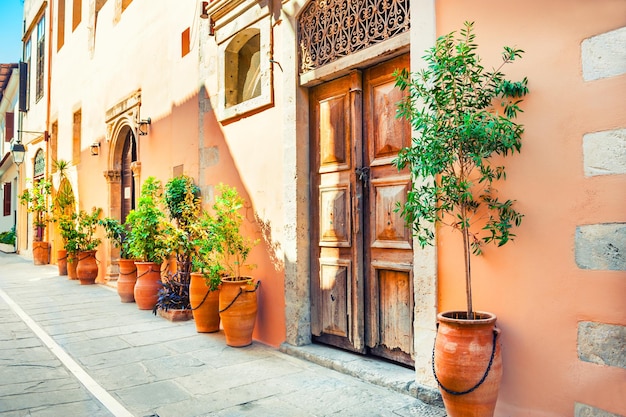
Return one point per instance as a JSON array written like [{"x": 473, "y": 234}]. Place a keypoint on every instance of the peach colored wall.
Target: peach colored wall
[
  {"x": 250, "y": 159},
  {"x": 533, "y": 284}
]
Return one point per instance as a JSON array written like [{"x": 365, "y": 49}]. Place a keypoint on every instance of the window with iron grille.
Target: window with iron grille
[{"x": 41, "y": 43}]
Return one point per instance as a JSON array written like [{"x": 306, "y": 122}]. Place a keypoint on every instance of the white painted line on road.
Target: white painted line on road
[{"x": 100, "y": 393}]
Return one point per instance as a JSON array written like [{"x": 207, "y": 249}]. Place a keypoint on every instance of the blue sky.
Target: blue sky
[{"x": 11, "y": 25}]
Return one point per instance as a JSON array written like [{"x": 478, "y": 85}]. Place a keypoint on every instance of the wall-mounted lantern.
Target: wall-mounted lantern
[
  {"x": 19, "y": 152},
  {"x": 95, "y": 148},
  {"x": 143, "y": 126}
]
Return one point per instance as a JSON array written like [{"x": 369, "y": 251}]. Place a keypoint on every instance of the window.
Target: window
[
  {"x": 27, "y": 52},
  {"x": 125, "y": 4},
  {"x": 60, "y": 24},
  {"x": 76, "y": 138},
  {"x": 9, "y": 126},
  {"x": 7, "y": 199},
  {"x": 245, "y": 68},
  {"x": 185, "y": 42},
  {"x": 41, "y": 41},
  {"x": 77, "y": 12},
  {"x": 243, "y": 71}
]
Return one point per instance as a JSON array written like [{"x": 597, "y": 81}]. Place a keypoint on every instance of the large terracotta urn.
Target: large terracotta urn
[
  {"x": 238, "y": 308},
  {"x": 126, "y": 280},
  {"x": 87, "y": 267},
  {"x": 62, "y": 261},
  {"x": 41, "y": 253},
  {"x": 204, "y": 305},
  {"x": 468, "y": 363},
  {"x": 148, "y": 285}
]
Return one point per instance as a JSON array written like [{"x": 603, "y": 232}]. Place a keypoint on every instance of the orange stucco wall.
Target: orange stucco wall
[{"x": 533, "y": 284}]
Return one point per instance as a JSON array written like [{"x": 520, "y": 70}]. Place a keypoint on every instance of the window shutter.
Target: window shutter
[
  {"x": 9, "y": 127},
  {"x": 7, "y": 198}
]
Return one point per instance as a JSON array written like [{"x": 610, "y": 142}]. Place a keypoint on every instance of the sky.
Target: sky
[{"x": 11, "y": 12}]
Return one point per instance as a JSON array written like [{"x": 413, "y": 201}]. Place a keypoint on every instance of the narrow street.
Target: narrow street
[{"x": 71, "y": 350}]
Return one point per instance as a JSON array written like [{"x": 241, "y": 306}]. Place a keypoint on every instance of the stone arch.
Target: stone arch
[{"x": 121, "y": 129}]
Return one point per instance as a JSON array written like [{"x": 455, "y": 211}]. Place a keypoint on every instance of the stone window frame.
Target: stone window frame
[{"x": 225, "y": 34}]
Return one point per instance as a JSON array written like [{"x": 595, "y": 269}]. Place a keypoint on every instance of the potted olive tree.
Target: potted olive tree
[
  {"x": 117, "y": 233},
  {"x": 36, "y": 201},
  {"x": 146, "y": 243},
  {"x": 463, "y": 117},
  {"x": 237, "y": 295}
]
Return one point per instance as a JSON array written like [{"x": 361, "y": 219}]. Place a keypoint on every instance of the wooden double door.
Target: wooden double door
[{"x": 362, "y": 254}]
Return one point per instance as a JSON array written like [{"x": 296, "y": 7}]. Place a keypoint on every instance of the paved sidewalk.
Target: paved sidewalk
[{"x": 70, "y": 350}]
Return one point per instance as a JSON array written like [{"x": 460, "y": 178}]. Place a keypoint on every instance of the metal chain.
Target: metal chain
[
  {"x": 452, "y": 392},
  {"x": 134, "y": 271},
  {"x": 241, "y": 291},
  {"x": 148, "y": 271},
  {"x": 201, "y": 302}
]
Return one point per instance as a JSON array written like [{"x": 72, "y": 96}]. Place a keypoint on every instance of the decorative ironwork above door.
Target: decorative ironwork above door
[{"x": 331, "y": 29}]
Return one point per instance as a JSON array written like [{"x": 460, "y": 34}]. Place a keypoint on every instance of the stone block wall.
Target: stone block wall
[{"x": 602, "y": 246}]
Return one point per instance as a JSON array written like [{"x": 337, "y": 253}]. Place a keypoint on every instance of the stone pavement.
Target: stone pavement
[{"x": 69, "y": 350}]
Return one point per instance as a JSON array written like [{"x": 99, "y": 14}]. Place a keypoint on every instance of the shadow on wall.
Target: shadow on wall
[{"x": 222, "y": 168}]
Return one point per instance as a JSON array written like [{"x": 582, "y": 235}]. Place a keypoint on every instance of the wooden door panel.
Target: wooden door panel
[
  {"x": 335, "y": 216},
  {"x": 392, "y": 330},
  {"x": 335, "y": 286},
  {"x": 337, "y": 311},
  {"x": 389, "y": 134},
  {"x": 388, "y": 242},
  {"x": 390, "y": 229},
  {"x": 334, "y": 133}
]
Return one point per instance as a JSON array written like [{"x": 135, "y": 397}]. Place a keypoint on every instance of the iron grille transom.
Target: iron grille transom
[{"x": 331, "y": 29}]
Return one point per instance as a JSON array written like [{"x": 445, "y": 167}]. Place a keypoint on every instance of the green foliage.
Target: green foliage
[
  {"x": 36, "y": 201},
  {"x": 463, "y": 116},
  {"x": 230, "y": 248},
  {"x": 63, "y": 201},
  {"x": 182, "y": 199},
  {"x": 8, "y": 237},
  {"x": 116, "y": 233},
  {"x": 206, "y": 259},
  {"x": 68, "y": 229},
  {"x": 86, "y": 229},
  {"x": 146, "y": 225}
]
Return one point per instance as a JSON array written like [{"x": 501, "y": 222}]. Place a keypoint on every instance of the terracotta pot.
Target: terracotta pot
[
  {"x": 41, "y": 253},
  {"x": 126, "y": 280},
  {"x": 62, "y": 261},
  {"x": 87, "y": 267},
  {"x": 148, "y": 285},
  {"x": 72, "y": 263},
  {"x": 204, "y": 304},
  {"x": 238, "y": 308},
  {"x": 468, "y": 363},
  {"x": 175, "y": 314}
]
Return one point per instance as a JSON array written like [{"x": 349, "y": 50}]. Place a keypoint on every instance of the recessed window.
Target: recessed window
[
  {"x": 185, "y": 42},
  {"x": 60, "y": 24},
  {"x": 76, "y": 140},
  {"x": 245, "y": 78},
  {"x": 41, "y": 53},
  {"x": 77, "y": 12},
  {"x": 242, "y": 68}
]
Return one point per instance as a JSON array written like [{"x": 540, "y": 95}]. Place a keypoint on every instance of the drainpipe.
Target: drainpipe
[{"x": 47, "y": 125}]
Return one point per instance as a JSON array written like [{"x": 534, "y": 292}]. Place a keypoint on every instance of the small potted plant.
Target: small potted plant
[
  {"x": 206, "y": 277},
  {"x": 36, "y": 201},
  {"x": 117, "y": 233},
  {"x": 87, "y": 267},
  {"x": 71, "y": 240},
  {"x": 237, "y": 296},
  {"x": 146, "y": 243},
  {"x": 63, "y": 202},
  {"x": 181, "y": 197},
  {"x": 463, "y": 116},
  {"x": 7, "y": 241}
]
